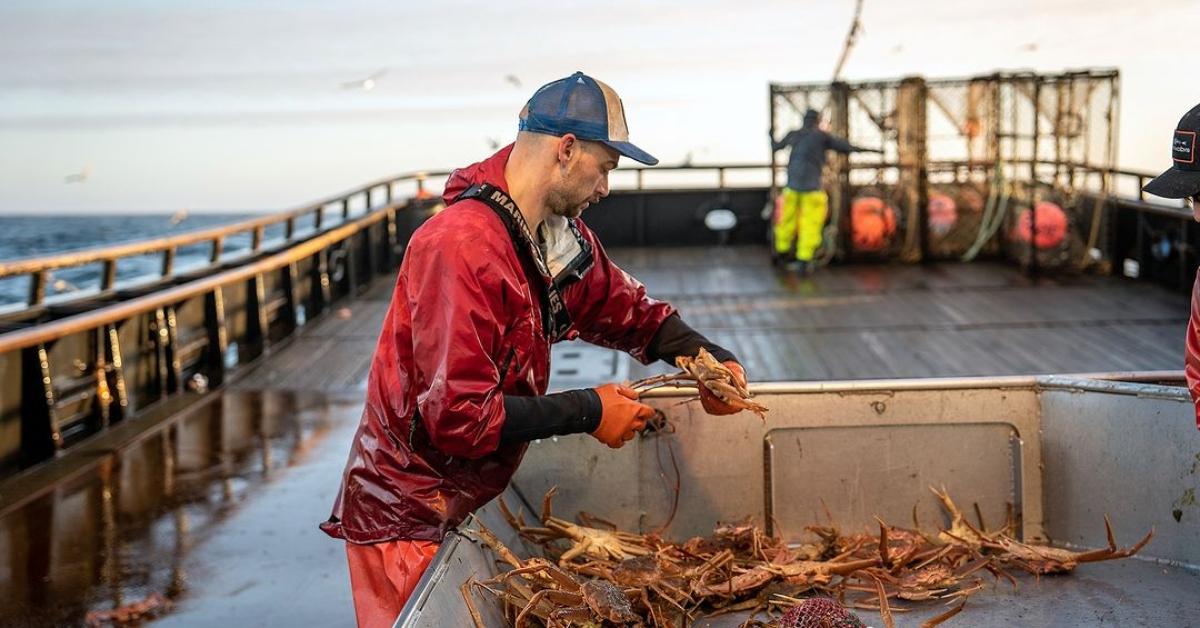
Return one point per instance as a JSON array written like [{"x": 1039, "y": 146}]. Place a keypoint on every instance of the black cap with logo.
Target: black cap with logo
[{"x": 1182, "y": 180}]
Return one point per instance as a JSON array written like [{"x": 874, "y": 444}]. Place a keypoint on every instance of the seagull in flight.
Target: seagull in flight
[
  {"x": 366, "y": 84},
  {"x": 513, "y": 80},
  {"x": 79, "y": 177}
]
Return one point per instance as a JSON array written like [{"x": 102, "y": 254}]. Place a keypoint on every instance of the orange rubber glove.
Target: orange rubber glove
[
  {"x": 713, "y": 404},
  {"x": 622, "y": 417}
]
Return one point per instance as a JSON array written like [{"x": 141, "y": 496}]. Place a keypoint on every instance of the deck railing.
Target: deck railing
[
  {"x": 80, "y": 372},
  {"x": 76, "y": 366}
]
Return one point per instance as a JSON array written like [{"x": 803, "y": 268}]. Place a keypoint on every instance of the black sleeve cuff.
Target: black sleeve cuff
[
  {"x": 559, "y": 414},
  {"x": 675, "y": 338}
]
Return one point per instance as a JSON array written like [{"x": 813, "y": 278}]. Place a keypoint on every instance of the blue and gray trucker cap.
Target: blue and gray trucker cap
[{"x": 589, "y": 109}]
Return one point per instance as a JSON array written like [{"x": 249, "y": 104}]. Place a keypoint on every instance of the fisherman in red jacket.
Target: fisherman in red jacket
[
  {"x": 458, "y": 382},
  {"x": 1182, "y": 180}
]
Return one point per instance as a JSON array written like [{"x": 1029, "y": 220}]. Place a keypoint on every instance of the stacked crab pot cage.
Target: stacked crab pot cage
[{"x": 1010, "y": 166}]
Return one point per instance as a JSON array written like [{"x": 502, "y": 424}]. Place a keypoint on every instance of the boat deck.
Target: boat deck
[
  {"x": 846, "y": 322},
  {"x": 240, "y": 545}
]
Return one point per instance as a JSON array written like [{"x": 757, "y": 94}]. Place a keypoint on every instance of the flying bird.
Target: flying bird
[
  {"x": 493, "y": 143},
  {"x": 1029, "y": 47},
  {"x": 366, "y": 84},
  {"x": 79, "y": 177},
  {"x": 513, "y": 80}
]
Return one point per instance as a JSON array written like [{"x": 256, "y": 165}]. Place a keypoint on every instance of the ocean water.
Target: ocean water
[{"x": 29, "y": 236}]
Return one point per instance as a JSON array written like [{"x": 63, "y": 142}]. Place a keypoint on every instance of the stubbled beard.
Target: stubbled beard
[{"x": 560, "y": 203}]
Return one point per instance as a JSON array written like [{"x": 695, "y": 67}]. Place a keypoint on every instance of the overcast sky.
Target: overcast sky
[{"x": 239, "y": 105}]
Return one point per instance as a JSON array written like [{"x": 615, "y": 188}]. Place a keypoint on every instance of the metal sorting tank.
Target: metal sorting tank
[{"x": 1063, "y": 450}]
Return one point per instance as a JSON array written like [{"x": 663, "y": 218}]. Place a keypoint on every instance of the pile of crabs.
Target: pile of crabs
[{"x": 596, "y": 575}]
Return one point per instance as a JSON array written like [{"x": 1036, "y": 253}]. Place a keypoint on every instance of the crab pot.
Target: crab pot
[
  {"x": 1061, "y": 452},
  {"x": 955, "y": 213}
]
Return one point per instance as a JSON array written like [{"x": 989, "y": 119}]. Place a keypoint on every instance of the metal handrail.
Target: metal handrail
[
  {"x": 40, "y": 267},
  {"x": 94, "y": 319}
]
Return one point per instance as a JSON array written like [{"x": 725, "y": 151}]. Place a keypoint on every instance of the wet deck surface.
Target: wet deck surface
[
  {"x": 215, "y": 509},
  {"x": 893, "y": 321},
  {"x": 219, "y": 509},
  {"x": 849, "y": 322}
]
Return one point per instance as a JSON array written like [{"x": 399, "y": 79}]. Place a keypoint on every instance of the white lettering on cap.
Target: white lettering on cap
[{"x": 1183, "y": 148}]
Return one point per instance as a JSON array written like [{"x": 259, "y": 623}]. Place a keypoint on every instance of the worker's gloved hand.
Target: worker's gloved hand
[
  {"x": 622, "y": 416},
  {"x": 713, "y": 404}
]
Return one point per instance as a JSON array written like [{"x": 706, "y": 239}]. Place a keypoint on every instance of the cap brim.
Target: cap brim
[
  {"x": 633, "y": 152},
  {"x": 1175, "y": 183}
]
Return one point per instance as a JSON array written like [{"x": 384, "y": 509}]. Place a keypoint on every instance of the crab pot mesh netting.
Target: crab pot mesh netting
[{"x": 966, "y": 165}]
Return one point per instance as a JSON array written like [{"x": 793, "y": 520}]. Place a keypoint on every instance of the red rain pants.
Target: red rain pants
[{"x": 383, "y": 576}]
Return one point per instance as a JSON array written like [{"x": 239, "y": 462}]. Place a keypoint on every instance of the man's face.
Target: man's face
[{"x": 585, "y": 180}]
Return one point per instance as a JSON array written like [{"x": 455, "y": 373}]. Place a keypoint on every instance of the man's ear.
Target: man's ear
[{"x": 568, "y": 145}]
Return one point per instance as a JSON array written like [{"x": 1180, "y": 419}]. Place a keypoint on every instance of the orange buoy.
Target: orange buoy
[
  {"x": 872, "y": 223},
  {"x": 1051, "y": 225},
  {"x": 943, "y": 213}
]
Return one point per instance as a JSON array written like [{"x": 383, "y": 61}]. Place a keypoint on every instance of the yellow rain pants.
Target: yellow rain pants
[{"x": 804, "y": 212}]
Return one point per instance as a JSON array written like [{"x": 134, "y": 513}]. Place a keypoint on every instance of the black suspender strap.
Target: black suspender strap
[{"x": 556, "y": 321}]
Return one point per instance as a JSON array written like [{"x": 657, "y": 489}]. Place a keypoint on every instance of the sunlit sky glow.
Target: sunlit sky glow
[{"x": 240, "y": 105}]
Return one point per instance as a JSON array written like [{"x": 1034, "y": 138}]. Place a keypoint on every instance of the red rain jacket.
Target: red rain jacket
[
  {"x": 1191, "y": 360},
  {"x": 464, "y": 329}
]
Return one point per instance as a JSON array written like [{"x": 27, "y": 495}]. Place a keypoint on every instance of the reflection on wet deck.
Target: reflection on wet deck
[{"x": 123, "y": 529}]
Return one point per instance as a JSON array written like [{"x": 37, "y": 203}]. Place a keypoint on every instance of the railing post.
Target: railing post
[
  {"x": 168, "y": 262},
  {"x": 370, "y": 238},
  {"x": 721, "y": 178},
  {"x": 256, "y": 239},
  {"x": 118, "y": 368},
  {"x": 162, "y": 357},
  {"x": 346, "y": 206},
  {"x": 319, "y": 218},
  {"x": 352, "y": 264},
  {"x": 108, "y": 276},
  {"x": 37, "y": 287},
  {"x": 256, "y": 316},
  {"x": 40, "y": 436},
  {"x": 390, "y": 238},
  {"x": 174, "y": 363},
  {"x": 218, "y": 342},
  {"x": 102, "y": 402},
  {"x": 387, "y": 195},
  {"x": 289, "y": 228},
  {"x": 291, "y": 297},
  {"x": 218, "y": 245},
  {"x": 640, "y": 178},
  {"x": 320, "y": 293}
]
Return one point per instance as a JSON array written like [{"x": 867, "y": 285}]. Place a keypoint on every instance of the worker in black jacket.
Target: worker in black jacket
[{"x": 805, "y": 206}]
